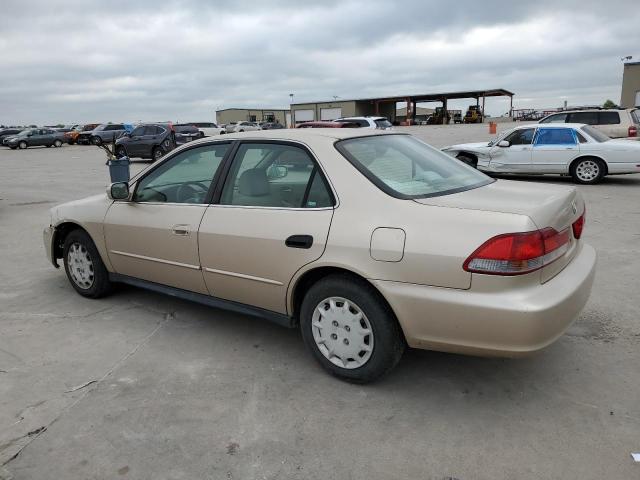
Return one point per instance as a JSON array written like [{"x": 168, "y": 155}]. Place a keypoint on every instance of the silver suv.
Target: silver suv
[
  {"x": 614, "y": 123},
  {"x": 380, "y": 123}
]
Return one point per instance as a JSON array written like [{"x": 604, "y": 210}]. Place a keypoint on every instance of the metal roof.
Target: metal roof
[
  {"x": 256, "y": 109},
  {"x": 424, "y": 97}
]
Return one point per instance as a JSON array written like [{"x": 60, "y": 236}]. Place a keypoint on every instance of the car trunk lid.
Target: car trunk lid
[{"x": 546, "y": 205}]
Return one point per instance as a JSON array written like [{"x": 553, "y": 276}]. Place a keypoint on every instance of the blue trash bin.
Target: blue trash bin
[{"x": 119, "y": 169}]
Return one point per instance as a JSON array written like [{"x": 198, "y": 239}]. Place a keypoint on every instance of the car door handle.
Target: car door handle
[
  {"x": 299, "y": 241},
  {"x": 180, "y": 229}
]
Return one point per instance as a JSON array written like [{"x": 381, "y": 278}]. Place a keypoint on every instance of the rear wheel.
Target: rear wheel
[
  {"x": 157, "y": 153},
  {"x": 84, "y": 267},
  {"x": 349, "y": 329},
  {"x": 588, "y": 171},
  {"x": 58, "y": 143},
  {"x": 22, "y": 145},
  {"x": 469, "y": 160}
]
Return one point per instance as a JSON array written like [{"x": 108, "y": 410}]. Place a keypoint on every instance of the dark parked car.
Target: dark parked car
[
  {"x": 76, "y": 136},
  {"x": 272, "y": 126},
  {"x": 104, "y": 133},
  {"x": 147, "y": 141},
  {"x": 35, "y": 137},
  {"x": 8, "y": 132},
  {"x": 187, "y": 133}
]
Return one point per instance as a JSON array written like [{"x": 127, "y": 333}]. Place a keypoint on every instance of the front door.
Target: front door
[
  {"x": 271, "y": 218},
  {"x": 155, "y": 235},
  {"x": 553, "y": 150},
  {"x": 134, "y": 145},
  {"x": 517, "y": 156}
]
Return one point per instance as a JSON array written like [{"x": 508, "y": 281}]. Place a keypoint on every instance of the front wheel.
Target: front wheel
[
  {"x": 96, "y": 140},
  {"x": 121, "y": 152},
  {"x": 84, "y": 267},
  {"x": 588, "y": 171},
  {"x": 350, "y": 330},
  {"x": 22, "y": 145}
]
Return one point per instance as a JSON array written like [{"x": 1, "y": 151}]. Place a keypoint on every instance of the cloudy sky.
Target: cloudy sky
[{"x": 132, "y": 60}]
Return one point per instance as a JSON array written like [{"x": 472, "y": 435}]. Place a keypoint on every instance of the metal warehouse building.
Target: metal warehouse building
[
  {"x": 631, "y": 85},
  {"x": 385, "y": 106},
  {"x": 229, "y": 115}
]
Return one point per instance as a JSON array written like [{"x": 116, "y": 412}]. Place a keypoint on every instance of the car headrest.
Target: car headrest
[{"x": 254, "y": 183}]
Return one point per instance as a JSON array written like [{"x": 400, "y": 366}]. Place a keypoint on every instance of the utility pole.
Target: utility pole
[{"x": 293, "y": 115}]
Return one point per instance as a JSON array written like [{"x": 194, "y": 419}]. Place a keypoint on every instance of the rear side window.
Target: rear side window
[
  {"x": 608, "y": 118},
  {"x": 558, "y": 118},
  {"x": 581, "y": 138},
  {"x": 555, "y": 136},
  {"x": 274, "y": 175},
  {"x": 594, "y": 133},
  {"x": 590, "y": 118},
  {"x": 383, "y": 123}
]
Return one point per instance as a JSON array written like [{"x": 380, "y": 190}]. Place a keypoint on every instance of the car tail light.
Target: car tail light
[
  {"x": 578, "y": 225},
  {"x": 518, "y": 253},
  {"x": 633, "y": 131}
]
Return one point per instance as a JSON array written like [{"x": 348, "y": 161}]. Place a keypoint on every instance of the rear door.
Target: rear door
[
  {"x": 553, "y": 150},
  {"x": 270, "y": 217}
]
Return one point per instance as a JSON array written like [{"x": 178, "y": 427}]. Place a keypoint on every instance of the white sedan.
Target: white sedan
[{"x": 568, "y": 149}]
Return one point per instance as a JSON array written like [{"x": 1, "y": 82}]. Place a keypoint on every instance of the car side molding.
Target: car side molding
[{"x": 278, "y": 318}]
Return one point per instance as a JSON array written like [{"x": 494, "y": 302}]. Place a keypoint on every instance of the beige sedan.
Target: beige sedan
[{"x": 369, "y": 241}]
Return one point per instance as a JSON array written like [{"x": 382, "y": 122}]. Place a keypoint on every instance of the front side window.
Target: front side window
[
  {"x": 185, "y": 178},
  {"x": 138, "y": 131},
  {"x": 274, "y": 175},
  {"x": 559, "y": 118},
  {"x": 555, "y": 136},
  {"x": 405, "y": 167},
  {"x": 522, "y": 136}
]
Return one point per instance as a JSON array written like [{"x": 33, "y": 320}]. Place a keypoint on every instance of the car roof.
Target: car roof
[
  {"x": 552, "y": 125},
  {"x": 302, "y": 134}
]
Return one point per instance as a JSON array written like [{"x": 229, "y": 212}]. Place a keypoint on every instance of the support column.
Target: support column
[
  {"x": 511, "y": 106},
  {"x": 377, "y": 107},
  {"x": 445, "y": 112},
  {"x": 482, "y": 118}
]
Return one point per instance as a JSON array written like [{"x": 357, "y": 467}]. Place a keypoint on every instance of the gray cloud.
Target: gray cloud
[{"x": 145, "y": 60}]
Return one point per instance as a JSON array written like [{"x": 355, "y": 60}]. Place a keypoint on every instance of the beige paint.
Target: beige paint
[
  {"x": 242, "y": 256},
  {"x": 630, "y": 85}
]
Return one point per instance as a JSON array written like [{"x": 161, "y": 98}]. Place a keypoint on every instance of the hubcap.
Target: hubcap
[
  {"x": 80, "y": 266},
  {"x": 588, "y": 170},
  {"x": 158, "y": 153},
  {"x": 342, "y": 332}
]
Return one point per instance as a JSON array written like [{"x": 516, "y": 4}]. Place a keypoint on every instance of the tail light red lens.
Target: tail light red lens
[
  {"x": 578, "y": 225},
  {"x": 633, "y": 131},
  {"x": 518, "y": 253}
]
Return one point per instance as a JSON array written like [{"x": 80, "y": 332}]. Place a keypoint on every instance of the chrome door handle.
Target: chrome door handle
[{"x": 180, "y": 229}]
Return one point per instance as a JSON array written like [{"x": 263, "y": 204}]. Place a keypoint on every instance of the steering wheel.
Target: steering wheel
[{"x": 191, "y": 192}]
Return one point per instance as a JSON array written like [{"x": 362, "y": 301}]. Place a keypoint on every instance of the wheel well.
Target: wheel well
[
  {"x": 468, "y": 154},
  {"x": 308, "y": 279},
  {"x": 576, "y": 160},
  {"x": 60, "y": 234}
]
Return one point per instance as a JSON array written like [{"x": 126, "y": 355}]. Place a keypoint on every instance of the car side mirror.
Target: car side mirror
[
  {"x": 118, "y": 191},
  {"x": 504, "y": 144},
  {"x": 277, "y": 171}
]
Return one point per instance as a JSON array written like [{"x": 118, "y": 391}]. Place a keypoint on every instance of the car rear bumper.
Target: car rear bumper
[
  {"x": 614, "y": 168},
  {"x": 509, "y": 323}
]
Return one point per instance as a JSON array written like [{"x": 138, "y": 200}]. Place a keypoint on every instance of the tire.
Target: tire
[
  {"x": 22, "y": 145},
  {"x": 121, "y": 152},
  {"x": 157, "y": 153},
  {"x": 472, "y": 162},
  {"x": 385, "y": 340},
  {"x": 96, "y": 140},
  {"x": 48, "y": 146},
  {"x": 241, "y": 130},
  {"x": 588, "y": 171},
  {"x": 88, "y": 277},
  {"x": 57, "y": 143},
  {"x": 13, "y": 148}
]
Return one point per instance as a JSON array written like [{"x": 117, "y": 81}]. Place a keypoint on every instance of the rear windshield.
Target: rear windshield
[
  {"x": 594, "y": 133},
  {"x": 383, "y": 123},
  {"x": 405, "y": 167}
]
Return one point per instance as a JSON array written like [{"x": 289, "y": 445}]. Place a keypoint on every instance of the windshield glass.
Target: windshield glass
[
  {"x": 594, "y": 133},
  {"x": 405, "y": 167},
  {"x": 383, "y": 123},
  {"x": 500, "y": 137}
]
